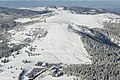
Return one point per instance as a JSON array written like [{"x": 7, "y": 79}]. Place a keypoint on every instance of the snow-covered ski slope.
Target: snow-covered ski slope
[
  {"x": 91, "y": 21},
  {"x": 61, "y": 45}
]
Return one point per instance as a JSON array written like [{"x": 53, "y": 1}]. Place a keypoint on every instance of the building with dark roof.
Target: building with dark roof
[{"x": 35, "y": 72}]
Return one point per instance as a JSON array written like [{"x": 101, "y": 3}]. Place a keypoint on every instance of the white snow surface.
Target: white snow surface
[
  {"x": 92, "y": 21},
  {"x": 34, "y": 8},
  {"x": 58, "y": 78},
  {"x": 60, "y": 45},
  {"x": 42, "y": 8},
  {"x": 65, "y": 16},
  {"x": 25, "y": 20}
]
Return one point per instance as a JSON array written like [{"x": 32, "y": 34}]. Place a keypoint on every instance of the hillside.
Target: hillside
[{"x": 60, "y": 37}]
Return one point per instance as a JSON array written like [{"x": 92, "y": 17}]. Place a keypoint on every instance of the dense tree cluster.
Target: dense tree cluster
[{"x": 105, "y": 57}]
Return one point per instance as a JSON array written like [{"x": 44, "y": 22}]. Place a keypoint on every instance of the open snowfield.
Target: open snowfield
[
  {"x": 60, "y": 78},
  {"x": 34, "y": 8},
  {"x": 91, "y": 21},
  {"x": 59, "y": 45}
]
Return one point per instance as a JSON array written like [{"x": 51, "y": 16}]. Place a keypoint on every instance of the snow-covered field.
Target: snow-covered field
[
  {"x": 41, "y": 8},
  {"x": 92, "y": 21},
  {"x": 60, "y": 78},
  {"x": 59, "y": 45},
  {"x": 34, "y": 8}
]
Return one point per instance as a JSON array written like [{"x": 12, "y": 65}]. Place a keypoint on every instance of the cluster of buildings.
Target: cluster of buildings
[{"x": 41, "y": 69}]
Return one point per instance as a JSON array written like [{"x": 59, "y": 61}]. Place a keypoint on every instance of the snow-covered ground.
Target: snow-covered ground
[
  {"x": 65, "y": 16},
  {"x": 92, "y": 21},
  {"x": 34, "y": 8},
  {"x": 41, "y": 8},
  {"x": 59, "y": 45},
  {"x": 56, "y": 78},
  {"x": 25, "y": 20}
]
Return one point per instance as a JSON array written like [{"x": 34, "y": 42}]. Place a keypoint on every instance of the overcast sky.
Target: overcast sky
[{"x": 59, "y": 0}]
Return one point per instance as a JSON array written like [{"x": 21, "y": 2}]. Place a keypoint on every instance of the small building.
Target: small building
[
  {"x": 35, "y": 72},
  {"x": 92, "y": 12},
  {"x": 42, "y": 64}
]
